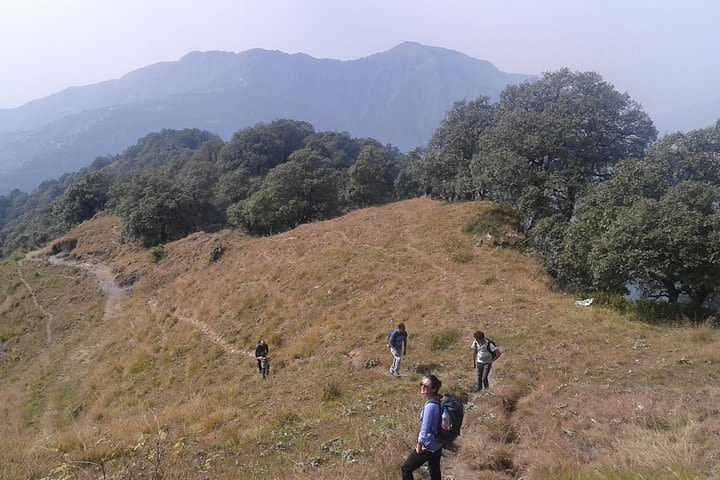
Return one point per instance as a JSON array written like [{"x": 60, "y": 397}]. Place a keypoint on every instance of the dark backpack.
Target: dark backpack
[
  {"x": 494, "y": 352},
  {"x": 457, "y": 414}
]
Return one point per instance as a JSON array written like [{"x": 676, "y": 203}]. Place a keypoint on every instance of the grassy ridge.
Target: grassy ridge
[{"x": 138, "y": 386}]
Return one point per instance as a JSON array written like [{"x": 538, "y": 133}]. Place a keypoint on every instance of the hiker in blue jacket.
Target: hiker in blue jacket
[
  {"x": 428, "y": 448},
  {"x": 397, "y": 342}
]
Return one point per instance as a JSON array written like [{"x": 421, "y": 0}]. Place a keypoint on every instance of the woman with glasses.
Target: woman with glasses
[{"x": 428, "y": 448}]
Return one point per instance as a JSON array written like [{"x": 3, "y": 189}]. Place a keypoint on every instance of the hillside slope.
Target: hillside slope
[{"x": 162, "y": 380}]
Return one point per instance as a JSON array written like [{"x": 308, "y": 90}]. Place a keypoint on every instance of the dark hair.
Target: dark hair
[
  {"x": 401, "y": 326},
  {"x": 435, "y": 382},
  {"x": 479, "y": 335}
]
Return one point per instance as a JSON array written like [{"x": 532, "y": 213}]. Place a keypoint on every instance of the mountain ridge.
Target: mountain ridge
[{"x": 398, "y": 97}]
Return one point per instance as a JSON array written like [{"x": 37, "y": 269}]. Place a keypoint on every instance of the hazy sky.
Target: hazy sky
[{"x": 657, "y": 50}]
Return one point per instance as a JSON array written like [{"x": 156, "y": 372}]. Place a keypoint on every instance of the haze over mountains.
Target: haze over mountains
[{"x": 398, "y": 97}]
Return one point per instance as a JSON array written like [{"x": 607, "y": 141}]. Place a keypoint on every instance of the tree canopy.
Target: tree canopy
[
  {"x": 556, "y": 135},
  {"x": 301, "y": 190},
  {"x": 371, "y": 179},
  {"x": 444, "y": 172},
  {"x": 83, "y": 199},
  {"x": 153, "y": 210},
  {"x": 667, "y": 247},
  {"x": 654, "y": 224}
]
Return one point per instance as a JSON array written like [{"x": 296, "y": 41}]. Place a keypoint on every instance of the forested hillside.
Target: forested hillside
[
  {"x": 396, "y": 97},
  {"x": 266, "y": 179},
  {"x": 606, "y": 205}
]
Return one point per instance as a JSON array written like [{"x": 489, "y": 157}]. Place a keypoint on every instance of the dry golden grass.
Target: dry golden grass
[{"x": 166, "y": 374}]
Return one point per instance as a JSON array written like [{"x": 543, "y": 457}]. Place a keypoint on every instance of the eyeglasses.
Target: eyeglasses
[{"x": 425, "y": 385}]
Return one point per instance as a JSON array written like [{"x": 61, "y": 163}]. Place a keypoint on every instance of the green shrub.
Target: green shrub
[
  {"x": 16, "y": 255},
  {"x": 13, "y": 356},
  {"x": 495, "y": 221},
  {"x": 611, "y": 300},
  {"x": 157, "y": 253},
  {"x": 653, "y": 311}
]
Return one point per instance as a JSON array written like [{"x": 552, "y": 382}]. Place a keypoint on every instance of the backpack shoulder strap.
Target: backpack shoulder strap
[{"x": 434, "y": 400}]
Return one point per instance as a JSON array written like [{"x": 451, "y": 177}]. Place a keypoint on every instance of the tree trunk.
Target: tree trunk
[{"x": 672, "y": 292}]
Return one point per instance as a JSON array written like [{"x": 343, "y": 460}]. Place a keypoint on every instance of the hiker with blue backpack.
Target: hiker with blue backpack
[
  {"x": 429, "y": 447},
  {"x": 397, "y": 343},
  {"x": 485, "y": 352}
]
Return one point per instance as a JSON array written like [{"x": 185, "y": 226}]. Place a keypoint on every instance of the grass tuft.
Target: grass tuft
[
  {"x": 443, "y": 339},
  {"x": 459, "y": 251},
  {"x": 331, "y": 391}
]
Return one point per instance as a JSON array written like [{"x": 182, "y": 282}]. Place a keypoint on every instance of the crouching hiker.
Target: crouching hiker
[{"x": 428, "y": 448}]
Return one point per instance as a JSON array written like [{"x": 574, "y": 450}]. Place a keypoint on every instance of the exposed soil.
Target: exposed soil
[{"x": 102, "y": 273}]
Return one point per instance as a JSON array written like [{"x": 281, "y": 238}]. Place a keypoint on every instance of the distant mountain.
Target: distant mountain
[{"x": 398, "y": 97}]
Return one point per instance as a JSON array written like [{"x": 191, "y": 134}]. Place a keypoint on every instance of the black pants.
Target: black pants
[{"x": 416, "y": 460}]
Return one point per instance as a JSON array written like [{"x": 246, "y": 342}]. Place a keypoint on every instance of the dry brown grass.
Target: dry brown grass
[{"x": 578, "y": 391}]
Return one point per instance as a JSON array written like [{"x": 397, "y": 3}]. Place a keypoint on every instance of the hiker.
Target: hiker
[
  {"x": 397, "y": 343},
  {"x": 484, "y": 354},
  {"x": 261, "y": 350},
  {"x": 428, "y": 448}
]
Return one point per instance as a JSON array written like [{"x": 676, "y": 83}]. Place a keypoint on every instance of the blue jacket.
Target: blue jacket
[
  {"x": 397, "y": 340},
  {"x": 430, "y": 421}
]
